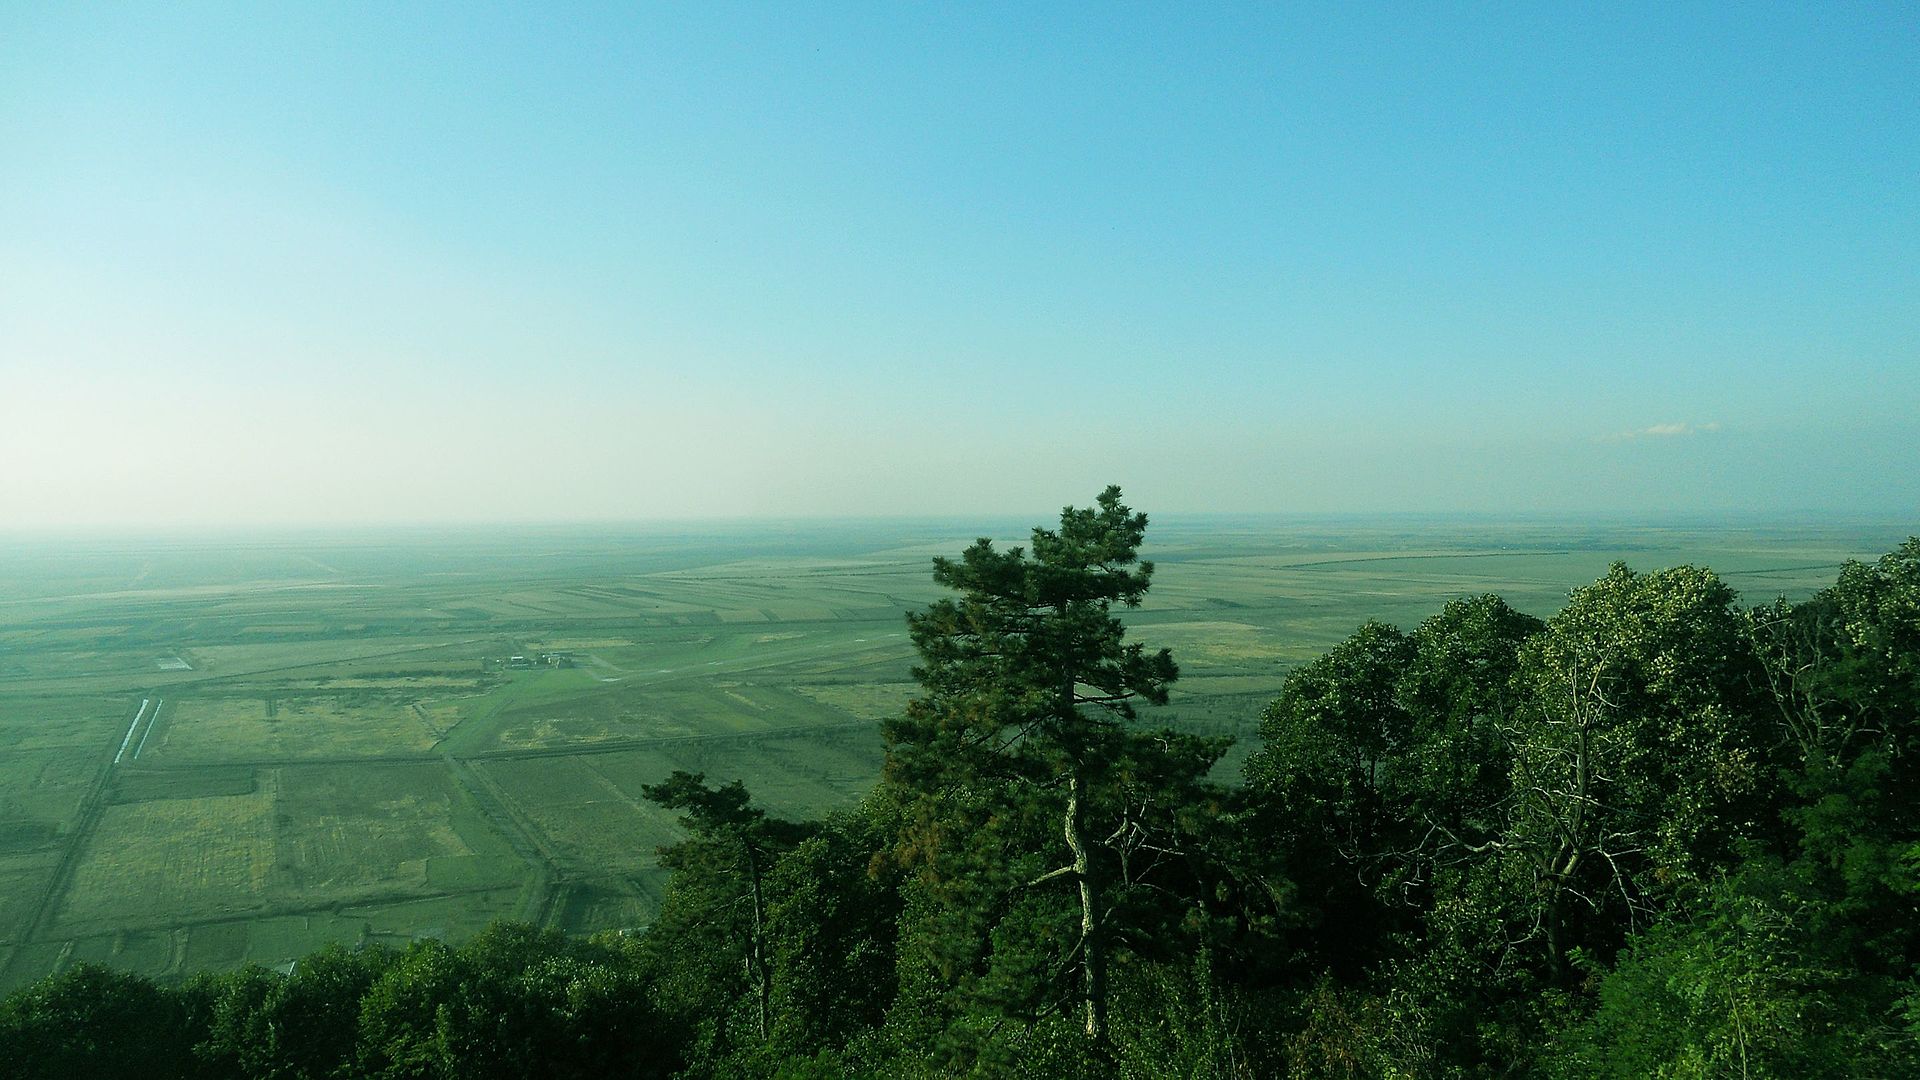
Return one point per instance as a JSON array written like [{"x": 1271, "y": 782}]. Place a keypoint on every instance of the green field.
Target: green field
[{"x": 216, "y": 751}]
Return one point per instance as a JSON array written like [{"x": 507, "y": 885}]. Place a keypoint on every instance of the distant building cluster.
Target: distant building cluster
[{"x": 537, "y": 660}]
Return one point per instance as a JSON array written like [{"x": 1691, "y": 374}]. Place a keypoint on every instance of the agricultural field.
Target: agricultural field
[{"x": 217, "y": 751}]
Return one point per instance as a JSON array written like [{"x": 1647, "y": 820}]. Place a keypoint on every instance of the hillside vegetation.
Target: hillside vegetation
[{"x": 1660, "y": 833}]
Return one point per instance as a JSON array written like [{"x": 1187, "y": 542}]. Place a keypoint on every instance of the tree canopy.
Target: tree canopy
[
  {"x": 1020, "y": 731},
  {"x": 1656, "y": 834}
]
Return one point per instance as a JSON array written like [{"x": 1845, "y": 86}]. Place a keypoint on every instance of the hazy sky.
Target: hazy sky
[{"x": 268, "y": 264}]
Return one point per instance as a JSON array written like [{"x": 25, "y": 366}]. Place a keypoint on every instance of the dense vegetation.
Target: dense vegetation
[{"x": 1659, "y": 834}]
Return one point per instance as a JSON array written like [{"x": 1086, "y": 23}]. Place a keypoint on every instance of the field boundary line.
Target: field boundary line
[
  {"x": 521, "y": 833},
  {"x": 91, "y": 807}
]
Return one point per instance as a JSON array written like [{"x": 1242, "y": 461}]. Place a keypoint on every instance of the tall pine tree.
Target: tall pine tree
[{"x": 1026, "y": 795}]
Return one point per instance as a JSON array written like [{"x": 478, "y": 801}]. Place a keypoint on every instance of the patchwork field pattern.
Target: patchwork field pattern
[
  {"x": 222, "y": 752},
  {"x": 155, "y": 863},
  {"x": 290, "y": 727}
]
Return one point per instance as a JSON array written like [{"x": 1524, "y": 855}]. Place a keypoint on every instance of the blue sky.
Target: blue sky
[{"x": 348, "y": 264}]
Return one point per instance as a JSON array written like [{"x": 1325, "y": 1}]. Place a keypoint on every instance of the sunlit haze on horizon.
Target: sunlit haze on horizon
[{"x": 350, "y": 265}]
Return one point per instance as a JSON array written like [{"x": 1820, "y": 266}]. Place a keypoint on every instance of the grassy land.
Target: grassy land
[{"x": 320, "y": 738}]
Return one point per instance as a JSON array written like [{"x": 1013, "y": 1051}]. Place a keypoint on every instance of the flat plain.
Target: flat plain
[{"x": 224, "y": 750}]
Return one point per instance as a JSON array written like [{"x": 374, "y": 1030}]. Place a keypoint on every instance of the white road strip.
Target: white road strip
[
  {"x": 151, "y": 720},
  {"x": 136, "y": 723}
]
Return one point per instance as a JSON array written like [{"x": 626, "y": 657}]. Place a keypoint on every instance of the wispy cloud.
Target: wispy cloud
[{"x": 1665, "y": 431}]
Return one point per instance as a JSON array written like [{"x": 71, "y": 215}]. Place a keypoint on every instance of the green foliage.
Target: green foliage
[
  {"x": 1019, "y": 742},
  {"x": 1740, "y": 990},
  {"x": 1184, "y": 1021},
  {"x": 1325, "y": 787},
  {"x": 1842, "y": 672},
  {"x": 830, "y": 931},
  {"x": 303, "y": 1026},
  {"x": 239, "y": 1039},
  {"x": 514, "y": 1001},
  {"x": 92, "y": 1022},
  {"x": 1343, "y": 1036},
  {"x": 1456, "y": 813},
  {"x": 1460, "y": 690},
  {"x": 717, "y": 907},
  {"x": 1382, "y": 764},
  {"x": 1638, "y": 763},
  {"x": 1656, "y": 836},
  {"x": 1011, "y": 669},
  {"x": 1331, "y": 741},
  {"x": 831, "y": 926}
]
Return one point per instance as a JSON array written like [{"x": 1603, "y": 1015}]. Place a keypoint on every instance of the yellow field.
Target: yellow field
[
  {"x": 347, "y": 833},
  {"x": 23, "y": 877},
  {"x": 579, "y": 644},
  {"x": 438, "y": 716},
  {"x": 160, "y": 863},
  {"x": 559, "y": 730},
  {"x": 53, "y": 723},
  {"x": 579, "y": 810},
  {"x": 255, "y": 728},
  {"x": 306, "y": 837},
  {"x": 403, "y": 682},
  {"x": 1227, "y": 685},
  {"x": 863, "y": 701},
  {"x": 1220, "y": 642},
  {"x": 636, "y": 710},
  {"x": 41, "y": 791}
]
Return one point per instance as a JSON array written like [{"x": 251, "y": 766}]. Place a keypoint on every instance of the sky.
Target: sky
[{"x": 361, "y": 264}]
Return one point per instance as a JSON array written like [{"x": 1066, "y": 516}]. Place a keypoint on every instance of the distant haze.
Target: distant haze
[{"x": 263, "y": 266}]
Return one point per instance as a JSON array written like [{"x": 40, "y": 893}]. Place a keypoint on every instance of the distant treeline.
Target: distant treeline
[{"x": 1659, "y": 834}]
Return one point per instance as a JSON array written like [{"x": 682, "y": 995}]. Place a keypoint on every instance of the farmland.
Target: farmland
[{"x": 216, "y": 751}]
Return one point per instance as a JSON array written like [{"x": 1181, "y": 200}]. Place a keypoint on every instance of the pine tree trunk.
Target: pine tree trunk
[
  {"x": 1093, "y": 957},
  {"x": 1556, "y": 947},
  {"x": 757, "y": 955}
]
